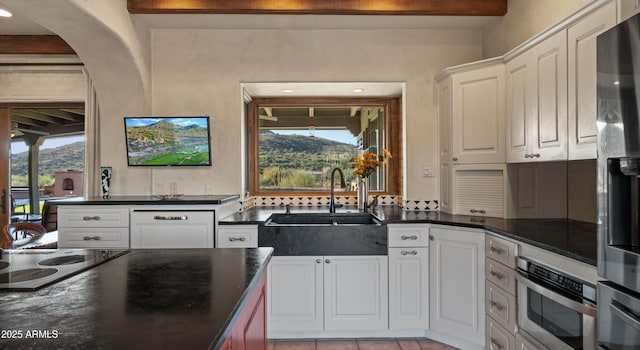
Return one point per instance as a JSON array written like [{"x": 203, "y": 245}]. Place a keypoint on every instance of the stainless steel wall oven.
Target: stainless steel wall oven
[
  {"x": 618, "y": 62},
  {"x": 555, "y": 308}
]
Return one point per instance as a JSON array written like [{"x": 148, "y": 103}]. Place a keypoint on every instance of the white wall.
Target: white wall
[
  {"x": 525, "y": 19},
  {"x": 198, "y": 72}
]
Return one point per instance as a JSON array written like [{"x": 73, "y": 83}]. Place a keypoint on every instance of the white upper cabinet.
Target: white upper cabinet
[
  {"x": 582, "y": 108},
  {"x": 537, "y": 102},
  {"x": 471, "y": 114}
]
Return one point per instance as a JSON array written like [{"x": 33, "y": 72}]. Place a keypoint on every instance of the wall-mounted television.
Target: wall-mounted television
[{"x": 168, "y": 141}]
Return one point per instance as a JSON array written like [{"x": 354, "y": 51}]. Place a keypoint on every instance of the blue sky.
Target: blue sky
[
  {"x": 182, "y": 121},
  {"x": 20, "y": 146},
  {"x": 335, "y": 135}
]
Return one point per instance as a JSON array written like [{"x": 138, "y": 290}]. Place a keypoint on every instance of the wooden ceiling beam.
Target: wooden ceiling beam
[
  {"x": 34, "y": 44},
  {"x": 325, "y": 7}
]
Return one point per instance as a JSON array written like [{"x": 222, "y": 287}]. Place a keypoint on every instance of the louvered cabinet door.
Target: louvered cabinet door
[{"x": 479, "y": 190}]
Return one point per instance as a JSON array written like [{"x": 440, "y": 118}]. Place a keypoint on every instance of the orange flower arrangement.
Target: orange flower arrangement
[{"x": 367, "y": 163}]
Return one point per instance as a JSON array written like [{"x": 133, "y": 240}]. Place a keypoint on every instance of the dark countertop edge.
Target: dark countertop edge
[
  {"x": 146, "y": 200},
  {"x": 482, "y": 226},
  {"x": 221, "y": 337}
]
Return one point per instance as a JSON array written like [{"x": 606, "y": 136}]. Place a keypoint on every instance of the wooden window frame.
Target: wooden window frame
[{"x": 393, "y": 139}]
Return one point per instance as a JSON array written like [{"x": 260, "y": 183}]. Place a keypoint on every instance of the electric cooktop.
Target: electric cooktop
[{"x": 32, "y": 269}]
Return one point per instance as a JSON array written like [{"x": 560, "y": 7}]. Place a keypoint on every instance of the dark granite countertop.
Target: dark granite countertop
[
  {"x": 145, "y": 200},
  {"x": 571, "y": 238},
  {"x": 146, "y": 299}
]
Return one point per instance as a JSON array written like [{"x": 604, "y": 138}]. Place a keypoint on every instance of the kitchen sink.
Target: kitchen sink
[
  {"x": 322, "y": 219},
  {"x": 320, "y": 234}
]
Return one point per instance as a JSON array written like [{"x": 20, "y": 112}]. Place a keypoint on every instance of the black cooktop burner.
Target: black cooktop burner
[
  {"x": 25, "y": 275},
  {"x": 63, "y": 260},
  {"x": 4, "y": 265}
]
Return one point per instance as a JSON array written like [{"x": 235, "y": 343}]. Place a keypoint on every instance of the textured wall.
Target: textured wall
[
  {"x": 525, "y": 19},
  {"x": 199, "y": 72}
]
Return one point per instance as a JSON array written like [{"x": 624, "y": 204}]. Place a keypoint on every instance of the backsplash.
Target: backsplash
[
  {"x": 420, "y": 205},
  {"x": 323, "y": 201}
]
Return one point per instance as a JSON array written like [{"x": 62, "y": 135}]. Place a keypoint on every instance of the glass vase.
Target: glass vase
[{"x": 363, "y": 194}]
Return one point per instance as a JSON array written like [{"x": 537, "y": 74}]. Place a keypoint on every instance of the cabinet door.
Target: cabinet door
[
  {"x": 537, "y": 102},
  {"x": 356, "y": 294},
  {"x": 582, "y": 80},
  {"x": 456, "y": 275},
  {"x": 444, "y": 122},
  {"x": 478, "y": 116},
  {"x": 294, "y": 298},
  {"x": 628, "y": 8},
  {"x": 519, "y": 95},
  {"x": 549, "y": 125},
  {"x": 408, "y": 288}
]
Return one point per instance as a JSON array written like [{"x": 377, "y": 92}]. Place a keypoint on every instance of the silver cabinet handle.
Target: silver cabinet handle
[
  {"x": 431, "y": 238},
  {"x": 234, "y": 239},
  {"x": 527, "y": 156},
  {"x": 455, "y": 159},
  {"x": 497, "y": 306},
  {"x": 537, "y": 155},
  {"x": 318, "y": 261},
  {"x": 495, "y": 342},
  {"x": 89, "y": 238},
  {"x": 481, "y": 211},
  {"x": 412, "y": 252},
  {"x": 497, "y": 250},
  {"x": 89, "y": 218},
  {"x": 328, "y": 261},
  {"x": 404, "y": 238},
  {"x": 497, "y": 275},
  {"x": 178, "y": 218}
]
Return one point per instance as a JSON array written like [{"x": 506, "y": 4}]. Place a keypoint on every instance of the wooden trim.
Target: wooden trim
[
  {"x": 393, "y": 125},
  {"x": 34, "y": 44},
  {"x": 324, "y": 7},
  {"x": 5, "y": 141}
]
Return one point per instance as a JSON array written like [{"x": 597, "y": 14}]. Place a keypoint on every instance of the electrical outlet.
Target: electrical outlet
[{"x": 427, "y": 171}]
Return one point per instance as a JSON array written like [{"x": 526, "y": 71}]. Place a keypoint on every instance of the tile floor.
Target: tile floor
[{"x": 357, "y": 344}]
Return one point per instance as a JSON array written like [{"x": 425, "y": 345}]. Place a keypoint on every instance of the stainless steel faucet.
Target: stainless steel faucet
[{"x": 332, "y": 202}]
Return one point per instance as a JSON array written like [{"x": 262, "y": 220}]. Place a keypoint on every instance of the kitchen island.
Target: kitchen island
[{"x": 146, "y": 299}]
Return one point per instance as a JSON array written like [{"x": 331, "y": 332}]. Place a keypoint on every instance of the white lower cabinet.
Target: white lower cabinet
[
  {"x": 457, "y": 283},
  {"x": 408, "y": 276},
  {"x": 295, "y": 293},
  {"x": 316, "y": 293},
  {"x": 93, "y": 227},
  {"x": 408, "y": 288}
]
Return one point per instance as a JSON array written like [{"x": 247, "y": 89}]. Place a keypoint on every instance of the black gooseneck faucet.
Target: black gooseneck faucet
[{"x": 332, "y": 202}]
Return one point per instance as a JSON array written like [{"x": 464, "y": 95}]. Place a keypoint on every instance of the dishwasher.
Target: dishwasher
[{"x": 166, "y": 229}]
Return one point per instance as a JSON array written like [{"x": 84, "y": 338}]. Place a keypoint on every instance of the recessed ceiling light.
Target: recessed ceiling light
[
  {"x": 287, "y": 90},
  {"x": 5, "y": 13},
  {"x": 358, "y": 90},
  {"x": 616, "y": 83}
]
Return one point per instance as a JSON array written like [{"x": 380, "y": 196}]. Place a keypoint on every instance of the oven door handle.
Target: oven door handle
[
  {"x": 558, "y": 298},
  {"x": 624, "y": 314}
]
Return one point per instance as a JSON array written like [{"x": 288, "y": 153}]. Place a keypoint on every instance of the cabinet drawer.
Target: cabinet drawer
[
  {"x": 408, "y": 235},
  {"x": 237, "y": 236},
  {"x": 89, "y": 217},
  {"x": 501, "y": 250},
  {"x": 498, "y": 338},
  {"x": 501, "y": 306},
  {"x": 111, "y": 237},
  {"x": 501, "y": 275}
]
